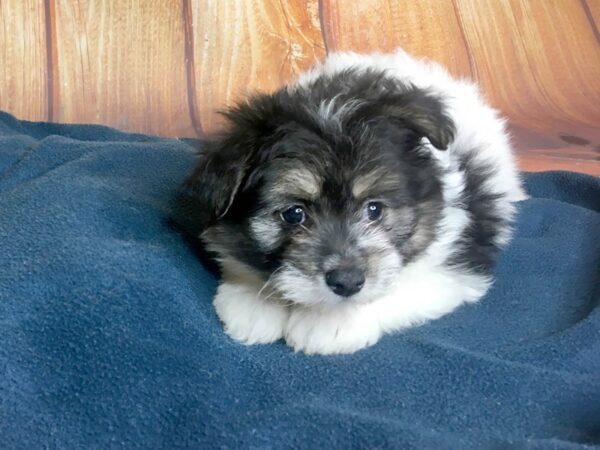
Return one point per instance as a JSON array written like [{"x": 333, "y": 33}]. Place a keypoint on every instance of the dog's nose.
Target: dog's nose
[{"x": 345, "y": 282}]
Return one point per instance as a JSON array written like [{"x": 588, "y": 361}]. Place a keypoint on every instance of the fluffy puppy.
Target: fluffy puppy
[{"x": 371, "y": 195}]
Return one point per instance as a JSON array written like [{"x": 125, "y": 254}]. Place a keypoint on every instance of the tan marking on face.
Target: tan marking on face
[
  {"x": 299, "y": 182},
  {"x": 367, "y": 185},
  {"x": 266, "y": 231},
  {"x": 364, "y": 183}
]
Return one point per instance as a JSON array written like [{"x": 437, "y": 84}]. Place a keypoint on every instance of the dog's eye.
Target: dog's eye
[
  {"x": 374, "y": 210},
  {"x": 294, "y": 215}
]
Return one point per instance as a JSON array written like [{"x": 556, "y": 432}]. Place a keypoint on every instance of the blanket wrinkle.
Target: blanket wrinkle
[
  {"x": 11, "y": 166},
  {"x": 495, "y": 359},
  {"x": 108, "y": 337}
]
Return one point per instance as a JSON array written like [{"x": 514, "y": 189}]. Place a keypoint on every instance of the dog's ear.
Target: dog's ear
[
  {"x": 425, "y": 114},
  {"x": 217, "y": 177},
  {"x": 227, "y": 161},
  {"x": 422, "y": 112}
]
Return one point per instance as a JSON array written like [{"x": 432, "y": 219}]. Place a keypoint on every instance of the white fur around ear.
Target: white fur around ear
[{"x": 479, "y": 130}]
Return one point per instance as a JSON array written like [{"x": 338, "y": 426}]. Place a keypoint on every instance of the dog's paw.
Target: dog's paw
[
  {"x": 338, "y": 330},
  {"x": 247, "y": 318}
]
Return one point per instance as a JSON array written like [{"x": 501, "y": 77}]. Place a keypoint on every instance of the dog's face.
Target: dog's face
[{"x": 325, "y": 209}]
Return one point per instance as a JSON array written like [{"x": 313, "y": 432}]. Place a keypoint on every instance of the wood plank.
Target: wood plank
[
  {"x": 538, "y": 61},
  {"x": 425, "y": 28},
  {"x": 244, "y": 46},
  {"x": 530, "y": 162},
  {"x": 122, "y": 64},
  {"x": 592, "y": 9},
  {"x": 23, "y": 63},
  {"x": 536, "y": 152}
]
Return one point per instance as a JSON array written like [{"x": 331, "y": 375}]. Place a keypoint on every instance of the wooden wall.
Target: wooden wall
[{"x": 166, "y": 66}]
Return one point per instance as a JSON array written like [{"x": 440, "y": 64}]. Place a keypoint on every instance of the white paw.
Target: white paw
[
  {"x": 344, "y": 329},
  {"x": 247, "y": 318}
]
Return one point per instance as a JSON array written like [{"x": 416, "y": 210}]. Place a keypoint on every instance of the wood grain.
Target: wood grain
[
  {"x": 538, "y": 61},
  {"x": 166, "y": 66},
  {"x": 424, "y": 28},
  {"x": 531, "y": 161},
  {"x": 246, "y": 46},
  {"x": 592, "y": 8},
  {"x": 23, "y": 62},
  {"x": 122, "y": 64}
]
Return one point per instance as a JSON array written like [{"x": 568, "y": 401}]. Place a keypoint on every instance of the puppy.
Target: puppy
[{"x": 371, "y": 195}]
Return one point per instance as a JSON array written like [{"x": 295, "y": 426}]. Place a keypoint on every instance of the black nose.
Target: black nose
[{"x": 345, "y": 282}]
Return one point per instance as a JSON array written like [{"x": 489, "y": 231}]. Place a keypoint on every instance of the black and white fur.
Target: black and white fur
[{"x": 403, "y": 181}]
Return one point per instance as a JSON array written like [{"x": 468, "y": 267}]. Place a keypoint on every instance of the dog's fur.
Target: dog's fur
[{"x": 355, "y": 131}]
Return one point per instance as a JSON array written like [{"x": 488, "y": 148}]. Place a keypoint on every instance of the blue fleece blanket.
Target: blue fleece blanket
[{"x": 108, "y": 338}]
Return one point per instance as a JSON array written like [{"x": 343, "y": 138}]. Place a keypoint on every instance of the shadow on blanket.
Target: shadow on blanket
[{"x": 108, "y": 338}]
